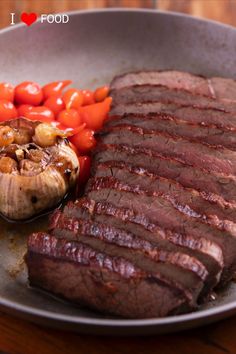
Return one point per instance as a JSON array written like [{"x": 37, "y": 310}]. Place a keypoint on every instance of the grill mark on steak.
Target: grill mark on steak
[
  {"x": 98, "y": 183},
  {"x": 163, "y": 243},
  {"x": 176, "y": 127},
  {"x": 220, "y": 188},
  {"x": 152, "y": 93},
  {"x": 44, "y": 243},
  {"x": 189, "y": 198},
  {"x": 222, "y": 120},
  {"x": 91, "y": 275},
  {"x": 115, "y": 192},
  {"x": 191, "y": 153},
  {"x": 117, "y": 242},
  {"x": 77, "y": 227},
  {"x": 206, "y": 250},
  {"x": 219, "y": 88}
]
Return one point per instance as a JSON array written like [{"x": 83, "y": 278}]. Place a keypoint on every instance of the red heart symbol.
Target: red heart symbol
[{"x": 28, "y": 18}]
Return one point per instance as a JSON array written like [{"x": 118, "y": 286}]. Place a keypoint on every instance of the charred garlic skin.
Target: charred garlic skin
[{"x": 34, "y": 178}]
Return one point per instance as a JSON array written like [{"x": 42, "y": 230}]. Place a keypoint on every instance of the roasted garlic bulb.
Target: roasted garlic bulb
[{"x": 37, "y": 168}]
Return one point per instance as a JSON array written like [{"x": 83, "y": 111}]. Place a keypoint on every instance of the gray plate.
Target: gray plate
[{"x": 92, "y": 48}]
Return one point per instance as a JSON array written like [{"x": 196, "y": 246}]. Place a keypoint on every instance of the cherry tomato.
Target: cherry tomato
[
  {"x": 6, "y": 91},
  {"x": 95, "y": 114},
  {"x": 58, "y": 125},
  {"x": 88, "y": 97},
  {"x": 68, "y": 131},
  {"x": 69, "y": 118},
  {"x": 28, "y": 92},
  {"x": 41, "y": 113},
  {"x": 84, "y": 140},
  {"x": 23, "y": 109},
  {"x": 84, "y": 172},
  {"x": 55, "y": 103},
  {"x": 101, "y": 93},
  {"x": 7, "y": 110},
  {"x": 73, "y": 98},
  {"x": 54, "y": 87}
]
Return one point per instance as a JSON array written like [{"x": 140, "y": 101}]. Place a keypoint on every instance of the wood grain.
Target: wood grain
[
  {"x": 18, "y": 336},
  {"x": 218, "y": 10}
]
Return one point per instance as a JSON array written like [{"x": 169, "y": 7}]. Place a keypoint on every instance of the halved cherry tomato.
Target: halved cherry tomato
[
  {"x": 73, "y": 131},
  {"x": 41, "y": 113},
  {"x": 55, "y": 103},
  {"x": 54, "y": 87},
  {"x": 58, "y": 125},
  {"x": 84, "y": 140},
  {"x": 69, "y": 118},
  {"x": 101, "y": 93},
  {"x": 95, "y": 114},
  {"x": 73, "y": 98},
  {"x": 28, "y": 92},
  {"x": 23, "y": 109},
  {"x": 88, "y": 97},
  {"x": 84, "y": 172},
  {"x": 68, "y": 131},
  {"x": 7, "y": 110},
  {"x": 6, "y": 91}
]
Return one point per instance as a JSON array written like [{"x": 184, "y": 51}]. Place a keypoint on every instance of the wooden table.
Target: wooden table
[{"x": 21, "y": 337}]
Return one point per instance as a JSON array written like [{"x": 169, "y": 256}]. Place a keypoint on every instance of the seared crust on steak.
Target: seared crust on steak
[{"x": 155, "y": 231}]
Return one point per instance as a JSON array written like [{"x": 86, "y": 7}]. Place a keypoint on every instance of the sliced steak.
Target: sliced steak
[
  {"x": 218, "y": 188},
  {"x": 206, "y": 251},
  {"x": 215, "y": 87},
  {"x": 165, "y": 123},
  {"x": 153, "y": 93},
  {"x": 196, "y": 202},
  {"x": 194, "y": 154},
  {"x": 87, "y": 276},
  {"x": 155, "y": 232},
  {"x": 167, "y": 212},
  {"x": 171, "y": 78},
  {"x": 205, "y": 117},
  {"x": 188, "y": 272},
  {"x": 167, "y": 256},
  {"x": 224, "y": 88}
]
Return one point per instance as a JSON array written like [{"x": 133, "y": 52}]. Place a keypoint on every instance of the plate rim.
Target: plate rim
[
  {"x": 125, "y": 10},
  {"x": 81, "y": 320}
]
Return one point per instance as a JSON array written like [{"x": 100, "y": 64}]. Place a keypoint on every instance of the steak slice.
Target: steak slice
[
  {"x": 205, "y": 117},
  {"x": 177, "y": 127},
  {"x": 168, "y": 213},
  {"x": 171, "y": 78},
  {"x": 194, "y": 154},
  {"x": 215, "y": 87},
  {"x": 169, "y": 260},
  {"x": 206, "y": 251},
  {"x": 217, "y": 188},
  {"x": 87, "y": 276},
  {"x": 190, "y": 199},
  {"x": 153, "y": 93},
  {"x": 187, "y": 272}
]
